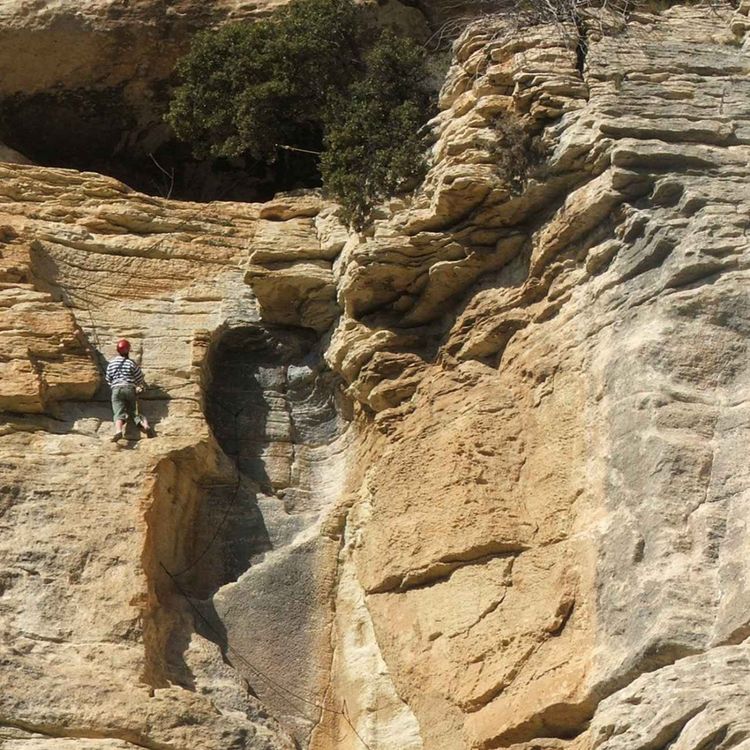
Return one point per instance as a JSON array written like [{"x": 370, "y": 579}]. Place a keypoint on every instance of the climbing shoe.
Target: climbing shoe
[{"x": 117, "y": 437}]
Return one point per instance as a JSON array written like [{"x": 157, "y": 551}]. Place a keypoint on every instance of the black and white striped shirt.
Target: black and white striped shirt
[{"x": 123, "y": 371}]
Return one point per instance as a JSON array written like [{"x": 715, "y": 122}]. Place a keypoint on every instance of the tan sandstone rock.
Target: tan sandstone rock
[{"x": 473, "y": 479}]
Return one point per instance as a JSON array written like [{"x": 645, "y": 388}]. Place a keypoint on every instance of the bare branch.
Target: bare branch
[{"x": 169, "y": 175}]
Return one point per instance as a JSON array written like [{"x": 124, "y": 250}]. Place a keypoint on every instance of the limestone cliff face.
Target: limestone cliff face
[{"x": 475, "y": 479}]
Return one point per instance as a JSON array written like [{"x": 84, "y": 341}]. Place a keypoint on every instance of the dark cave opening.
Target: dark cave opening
[{"x": 99, "y": 131}]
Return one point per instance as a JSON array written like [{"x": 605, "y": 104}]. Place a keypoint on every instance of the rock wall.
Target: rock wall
[
  {"x": 86, "y": 85},
  {"x": 567, "y": 460},
  {"x": 474, "y": 479}
]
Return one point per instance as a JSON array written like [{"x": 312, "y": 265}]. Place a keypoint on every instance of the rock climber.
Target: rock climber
[{"x": 126, "y": 380}]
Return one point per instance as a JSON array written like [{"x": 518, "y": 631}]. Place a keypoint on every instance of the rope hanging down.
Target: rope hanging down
[{"x": 276, "y": 687}]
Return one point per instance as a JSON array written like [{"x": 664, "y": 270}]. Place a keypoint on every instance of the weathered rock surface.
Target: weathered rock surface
[
  {"x": 475, "y": 479},
  {"x": 85, "y": 521},
  {"x": 678, "y": 707},
  {"x": 45, "y": 356}
]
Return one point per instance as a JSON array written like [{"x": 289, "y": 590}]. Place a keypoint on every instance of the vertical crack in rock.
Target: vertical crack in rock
[
  {"x": 271, "y": 404},
  {"x": 376, "y": 715},
  {"x": 582, "y": 43},
  {"x": 177, "y": 494}
]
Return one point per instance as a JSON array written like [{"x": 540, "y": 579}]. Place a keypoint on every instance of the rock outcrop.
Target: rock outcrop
[
  {"x": 45, "y": 356},
  {"x": 473, "y": 479}
]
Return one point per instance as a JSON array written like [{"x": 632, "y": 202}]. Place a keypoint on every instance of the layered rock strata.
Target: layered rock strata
[{"x": 473, "y": 479}]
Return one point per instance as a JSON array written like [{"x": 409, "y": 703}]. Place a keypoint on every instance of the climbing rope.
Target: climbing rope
[{"x": 276, "y": 687}]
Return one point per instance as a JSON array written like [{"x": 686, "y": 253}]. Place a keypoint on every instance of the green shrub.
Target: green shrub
[
  {"x": 317, "y": 76},
  {"x": 371, "y": 138}
]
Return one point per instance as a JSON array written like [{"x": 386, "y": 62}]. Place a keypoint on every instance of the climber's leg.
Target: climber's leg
[
  {"x": 142, "y": 423},
  {"x": 123, "y": 406},
  {"x": 119, "y": 430}
]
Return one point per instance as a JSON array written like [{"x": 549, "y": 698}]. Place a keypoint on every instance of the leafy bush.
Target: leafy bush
[
  {"x": 371, "y": 139},
  {"x": 316, "y": 76}
]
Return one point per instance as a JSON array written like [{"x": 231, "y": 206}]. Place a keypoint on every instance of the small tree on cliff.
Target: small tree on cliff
[
  {"x": 371, "y": 137},
  {"x": 316, "y": 77}
]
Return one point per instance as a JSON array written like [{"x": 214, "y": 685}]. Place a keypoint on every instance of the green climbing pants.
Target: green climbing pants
[{"x": 124, "y": 404}]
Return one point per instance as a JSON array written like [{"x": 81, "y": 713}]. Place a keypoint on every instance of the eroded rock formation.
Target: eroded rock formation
[
  {"x": 474, "y": 479},
  {"x": 85, "y": 84}
]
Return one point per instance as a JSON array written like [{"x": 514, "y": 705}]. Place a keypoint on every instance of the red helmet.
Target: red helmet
[{"x": 123, "y": 347}]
